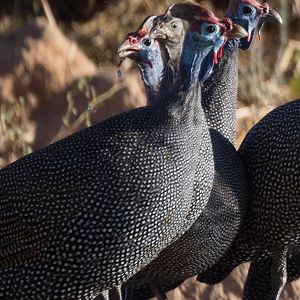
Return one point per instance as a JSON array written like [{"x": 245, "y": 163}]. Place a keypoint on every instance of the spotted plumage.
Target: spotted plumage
[
  {"x": 211, "y": 234},
  {"x": 270, "y": 236},
  {"x": 259, "y": 279},
  {"x": 87, "y": 212},
  {"x": 219, "y": 91},
  {"x": 270, "y": 151},
  {"x": 209, "y": 237},
  {"x": 249, "y": 244},
  {"x": 219, "y": 99}
]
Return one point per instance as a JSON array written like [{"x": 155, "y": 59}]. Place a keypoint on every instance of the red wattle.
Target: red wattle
[
  {"x": 249, "y": 37},
  {"x": 215, "y": 58},
  {"x": 220, "y": 53},
  {"x": 259, "y": 36}
]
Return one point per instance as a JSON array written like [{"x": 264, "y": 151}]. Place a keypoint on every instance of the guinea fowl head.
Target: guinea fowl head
[
  {"x": 250, "y": 14},
  {"x": 139, "y": 47},
  {"x": 169, "y": 31},
  {"x": 148, "y": 54},
  {"x": 167, "y": 28},
  {"x": 204, "y": 38}
]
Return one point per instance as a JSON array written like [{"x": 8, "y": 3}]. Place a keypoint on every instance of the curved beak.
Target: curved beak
[
  {"x": 271, "y": 16},
  {"x": 157, "y": 33},
  {"x": 128, "y": 49},
  {"x": 236, "y": 32}
]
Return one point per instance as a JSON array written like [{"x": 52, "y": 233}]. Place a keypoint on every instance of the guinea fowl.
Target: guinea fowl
[
  {"x": 217, "y": 226},
  {"x": 149, "y": 56},
  {"x": 271, "y": 152},
  {"x": 87, "y": 212},
  {"x": 251, "y": 15},
  {"x": 219, "y": 91},
  {"x": 170, "y": 32},
  {"x": 270, "y": 236}
]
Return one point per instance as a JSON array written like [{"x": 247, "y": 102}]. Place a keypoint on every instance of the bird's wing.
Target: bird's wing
[{"x": 42, "y": 192}]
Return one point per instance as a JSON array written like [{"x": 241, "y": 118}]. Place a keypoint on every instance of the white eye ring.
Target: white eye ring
[{"x": 174, "y": 25}]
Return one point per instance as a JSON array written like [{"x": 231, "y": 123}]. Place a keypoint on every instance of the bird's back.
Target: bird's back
[{"x": 271, "y": 151}]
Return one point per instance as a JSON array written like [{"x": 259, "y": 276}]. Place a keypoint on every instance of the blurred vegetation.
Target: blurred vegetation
[
  {"x": 83, "y": 119},
  {"x": 14, "y": 141},
  {"x": 269, "y": 72},
  {"x": 100, "y": 26},
  {"x": 295, "y": 85}
]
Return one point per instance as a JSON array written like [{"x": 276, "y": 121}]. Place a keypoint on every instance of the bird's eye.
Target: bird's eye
[
  {"x": 247, "y": 10},
  {"x": 147, "y": 42},
  {"x": 210, "y": 29},
  {"x": 174, "y": 26}
]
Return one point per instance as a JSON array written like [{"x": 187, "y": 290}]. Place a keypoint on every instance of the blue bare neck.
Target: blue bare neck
[
  {"x": 181, "y": 89},
  {"x": 152, "y": 75}
]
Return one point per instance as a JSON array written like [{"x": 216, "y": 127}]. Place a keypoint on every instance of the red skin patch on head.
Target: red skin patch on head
[
  {"x": 218, "y": 55},
  {"x": 142, "y": 32},
  {"x": 261, "y": 8},
  {"x": 135, "y": 37},
  {"x": 132, "y": 38},
  {"x": 227, "y": 23}
]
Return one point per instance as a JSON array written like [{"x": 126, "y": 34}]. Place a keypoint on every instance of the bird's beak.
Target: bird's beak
[
  {"x": 271, "y": 16},
  {"x": 157, "y": 33},
  {"x": 128, "y": 49},
  {"x": 236, "y": 32}
]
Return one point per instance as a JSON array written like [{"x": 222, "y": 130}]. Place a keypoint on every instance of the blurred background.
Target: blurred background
[{"x": 58, "y": 68}]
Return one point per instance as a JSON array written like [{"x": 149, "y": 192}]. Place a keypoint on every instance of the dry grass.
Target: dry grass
[
  {"x": 15, "y": 132},
  {"x": 83, "y": 119}
]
